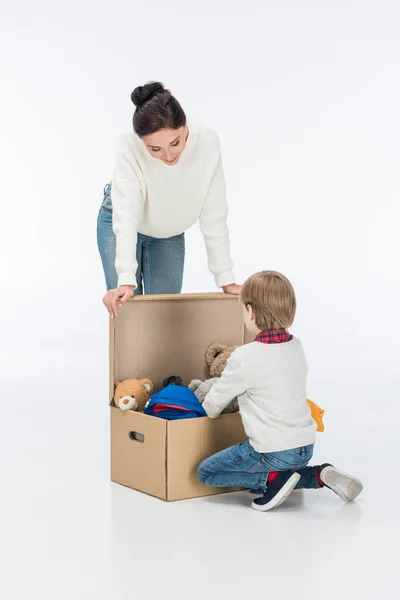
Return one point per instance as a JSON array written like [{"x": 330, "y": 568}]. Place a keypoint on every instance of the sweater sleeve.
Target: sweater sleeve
[
  {"x": 231, "y": 384},
  {"x": 127, "y": 200},
  {"x": 214, "y": 227}
]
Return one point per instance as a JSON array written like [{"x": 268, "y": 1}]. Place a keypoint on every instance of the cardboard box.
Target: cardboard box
[{"x": 155, "y": 337}]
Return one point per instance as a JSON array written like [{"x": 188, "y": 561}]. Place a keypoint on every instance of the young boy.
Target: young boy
[{"x": 269, "y": 378}]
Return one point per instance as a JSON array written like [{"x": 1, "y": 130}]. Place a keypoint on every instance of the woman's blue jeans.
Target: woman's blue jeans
[{"x": 160, "y": 260}]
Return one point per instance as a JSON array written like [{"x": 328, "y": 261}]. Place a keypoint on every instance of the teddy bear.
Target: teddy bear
[
  {"x": 217, "y": 356},
  {"x": 132, "y": 394},
  {"x": 201, "y": 389}
]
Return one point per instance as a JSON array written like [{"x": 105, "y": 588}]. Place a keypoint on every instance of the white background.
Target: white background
[{"x": 305, "y": 97}]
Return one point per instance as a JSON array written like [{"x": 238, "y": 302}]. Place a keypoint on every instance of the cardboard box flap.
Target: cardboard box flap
[{"x": 159, "y": 336}]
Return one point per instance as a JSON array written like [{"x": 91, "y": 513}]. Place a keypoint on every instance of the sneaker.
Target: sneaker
[
  {"x": 277, "y": 491},
  {"x": 345, "y": 486}
]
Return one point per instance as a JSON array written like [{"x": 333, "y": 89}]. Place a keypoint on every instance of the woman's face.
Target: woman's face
[{"x": 167, "y": 144}]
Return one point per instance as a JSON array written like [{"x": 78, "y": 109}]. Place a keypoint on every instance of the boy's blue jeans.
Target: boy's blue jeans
[
  {"x": 241, "y": 466},
  {"x": 160, "y": 261}
]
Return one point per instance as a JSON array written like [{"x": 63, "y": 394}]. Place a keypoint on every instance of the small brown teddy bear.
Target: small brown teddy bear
[
  {"x": 132, "y": 394},
  {"x": 217, "y": 356},
  {"x": 201, "y": 389}
]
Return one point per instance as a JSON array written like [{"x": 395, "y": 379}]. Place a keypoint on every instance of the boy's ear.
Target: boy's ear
[{"x": 251, "y": 312}]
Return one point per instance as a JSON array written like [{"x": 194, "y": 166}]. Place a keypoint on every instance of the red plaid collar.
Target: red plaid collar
[{"x": 273, "y": 336}]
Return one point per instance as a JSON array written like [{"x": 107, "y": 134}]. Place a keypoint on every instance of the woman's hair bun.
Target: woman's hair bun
[{"x": 142, "y": 94}]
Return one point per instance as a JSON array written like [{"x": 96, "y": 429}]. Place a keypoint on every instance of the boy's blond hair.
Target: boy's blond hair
[{"x": 272, "y": 298}]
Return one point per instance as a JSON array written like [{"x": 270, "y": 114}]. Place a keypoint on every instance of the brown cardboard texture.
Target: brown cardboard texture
[{"x": 155, "y": 337}]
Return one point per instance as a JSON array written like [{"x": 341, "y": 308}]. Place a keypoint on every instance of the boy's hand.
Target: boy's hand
[
  {"x": 232, "y": 288},
  {"x": 118, "y": 296}
]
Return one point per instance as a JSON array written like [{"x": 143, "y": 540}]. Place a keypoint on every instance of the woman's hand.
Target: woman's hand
[
  {"x": 232, "y": 288},
  {"x": 118, "y": 296}
]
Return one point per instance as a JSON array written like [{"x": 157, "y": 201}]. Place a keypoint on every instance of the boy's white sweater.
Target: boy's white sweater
[{"x": 270, "y": 383}]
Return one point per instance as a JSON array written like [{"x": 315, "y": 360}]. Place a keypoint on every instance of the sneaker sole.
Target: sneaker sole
[
  {"x": 345, "y": 486},
  {"x": 281, "y": 496}
]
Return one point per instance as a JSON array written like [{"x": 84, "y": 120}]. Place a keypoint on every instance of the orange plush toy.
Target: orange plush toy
[{"x": 317, "y": 413}]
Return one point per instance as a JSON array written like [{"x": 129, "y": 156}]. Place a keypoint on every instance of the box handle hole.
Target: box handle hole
[{"x": 136, "y": 437}]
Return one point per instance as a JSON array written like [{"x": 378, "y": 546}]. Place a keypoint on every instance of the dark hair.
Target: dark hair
[{"x": 156, "y": 108}]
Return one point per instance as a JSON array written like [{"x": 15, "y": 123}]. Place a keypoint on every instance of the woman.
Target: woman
[{"x": 168, "y": 175}]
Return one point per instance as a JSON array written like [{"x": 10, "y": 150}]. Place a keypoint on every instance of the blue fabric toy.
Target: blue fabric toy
[{"x": 175, "y": 402}]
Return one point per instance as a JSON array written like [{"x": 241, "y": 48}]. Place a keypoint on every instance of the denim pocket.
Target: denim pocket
[
  {"x": 294, "y": 459},
  {"x": 106, "y": 204},
  {"x": 258, "y": 467},
  {"x": 276, "y": 464}
]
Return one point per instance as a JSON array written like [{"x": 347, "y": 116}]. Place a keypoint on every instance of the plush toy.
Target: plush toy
[
  {"x": 132, "y": 394},
  {"x": 174, "y": 401},
  {"x": 317, "y": 413},
  {"x": 172, "y": 380},
  {"x": 216, "y": 358},
  {"x": 201, "y": 389}
]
